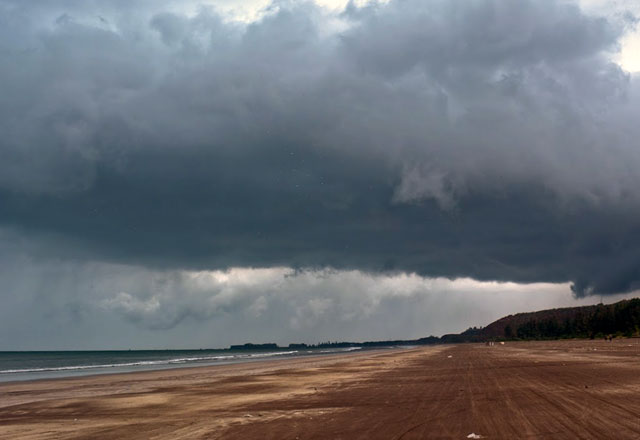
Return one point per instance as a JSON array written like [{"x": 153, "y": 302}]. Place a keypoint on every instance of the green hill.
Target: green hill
[{"x": 618, "y": 319}]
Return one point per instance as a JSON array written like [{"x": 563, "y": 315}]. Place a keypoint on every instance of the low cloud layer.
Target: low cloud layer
[
  {"x": 98, "y": 305},
  {"x": 487, "y": 140}
]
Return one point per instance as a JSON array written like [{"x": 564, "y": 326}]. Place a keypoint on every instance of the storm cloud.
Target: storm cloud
[{"x": 488, "y": 140}]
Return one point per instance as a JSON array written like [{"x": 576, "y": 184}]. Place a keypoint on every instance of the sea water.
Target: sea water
[{"x": 30, "y": 365}]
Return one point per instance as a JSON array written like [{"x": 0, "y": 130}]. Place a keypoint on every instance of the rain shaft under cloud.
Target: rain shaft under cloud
[{"x": 100, "y": 305}]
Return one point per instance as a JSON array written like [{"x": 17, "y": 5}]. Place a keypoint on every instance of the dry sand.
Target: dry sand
[{"x": 564, "y": 389}]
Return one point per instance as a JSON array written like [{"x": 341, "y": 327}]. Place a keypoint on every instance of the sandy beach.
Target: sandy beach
[{"x": 557, "y": 389}]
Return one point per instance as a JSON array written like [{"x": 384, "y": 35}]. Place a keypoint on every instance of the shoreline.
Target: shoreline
[
  {"x": 550, "y": 389},
  {"x": 85, "y": 370},
  {"x": 218, "y": 370}
]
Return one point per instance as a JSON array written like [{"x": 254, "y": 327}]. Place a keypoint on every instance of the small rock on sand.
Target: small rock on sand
[{"x": 474, "y": 435}]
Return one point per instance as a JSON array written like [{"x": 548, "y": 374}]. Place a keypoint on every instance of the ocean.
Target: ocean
[{"x": 31, "y": 365}]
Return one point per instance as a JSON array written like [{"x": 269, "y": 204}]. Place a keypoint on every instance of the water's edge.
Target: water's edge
[{"x": 26, "y": 366}]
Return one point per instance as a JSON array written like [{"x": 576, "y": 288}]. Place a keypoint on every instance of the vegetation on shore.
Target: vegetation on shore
[{"x": 598, "y": 321}]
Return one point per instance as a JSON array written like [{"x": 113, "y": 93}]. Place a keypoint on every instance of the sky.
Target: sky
[{"x": 193, "y": 174}]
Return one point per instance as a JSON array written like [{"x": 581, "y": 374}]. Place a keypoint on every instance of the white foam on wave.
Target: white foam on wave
[{"x": 150, "y": 363}]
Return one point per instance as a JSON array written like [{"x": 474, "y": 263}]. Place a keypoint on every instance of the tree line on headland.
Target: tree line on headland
[
  {"x": 598, "y": 321},
  {"x": 621, "y": 319}
]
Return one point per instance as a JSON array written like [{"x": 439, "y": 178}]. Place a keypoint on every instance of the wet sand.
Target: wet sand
[{"x": 558, "y": 389}]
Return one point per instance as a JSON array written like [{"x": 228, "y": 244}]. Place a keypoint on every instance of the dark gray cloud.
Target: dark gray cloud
[{"x": 492, "y": 140}]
